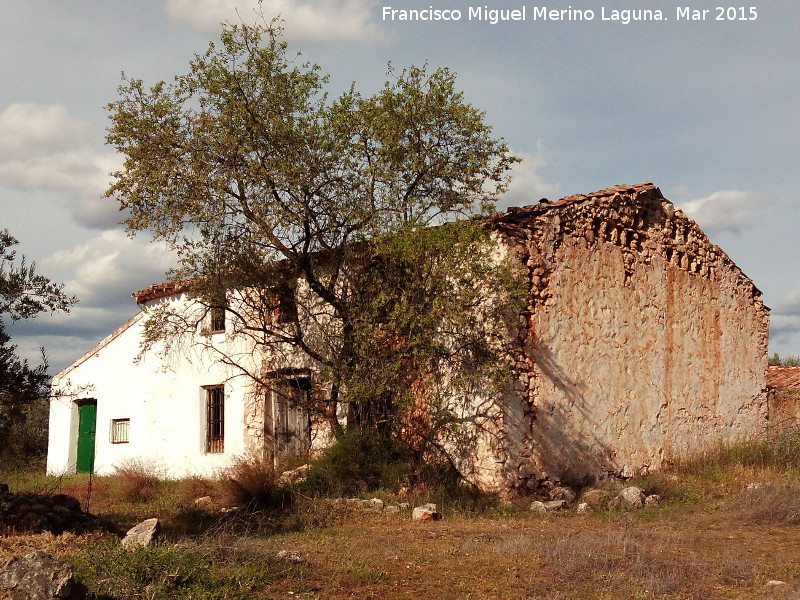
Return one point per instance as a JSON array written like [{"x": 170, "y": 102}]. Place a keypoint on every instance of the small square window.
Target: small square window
[{"x": 120, "y": 428}]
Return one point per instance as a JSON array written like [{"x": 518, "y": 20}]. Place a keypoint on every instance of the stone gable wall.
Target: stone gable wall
[{"x": 643, "y": 342}]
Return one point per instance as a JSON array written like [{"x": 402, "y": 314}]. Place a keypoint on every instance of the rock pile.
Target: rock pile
[
  {"x": 374, "y": 506},
  {"x": 628, "y": 498},
  {"x": 37, "y": 513}
]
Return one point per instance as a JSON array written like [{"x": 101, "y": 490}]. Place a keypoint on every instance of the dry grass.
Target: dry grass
[
  {"x": 711, "y": 537},
  {"x": 138, "y": 480},
  {"x": 250, "y": 480},
  {"x": 697, "y": 555}
]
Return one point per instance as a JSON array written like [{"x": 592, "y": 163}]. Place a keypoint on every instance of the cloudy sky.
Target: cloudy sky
[{"x": 707, "y": 110}]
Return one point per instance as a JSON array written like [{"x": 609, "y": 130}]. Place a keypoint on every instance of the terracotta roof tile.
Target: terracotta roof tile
[
  {"x": 159, "y": 290},
  {"x": 784, "y": 378}
]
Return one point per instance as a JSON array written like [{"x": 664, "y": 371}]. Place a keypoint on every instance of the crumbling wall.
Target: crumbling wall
[
  {"x": 643, "y": 341},
  {"x": 784, "y": 409}
]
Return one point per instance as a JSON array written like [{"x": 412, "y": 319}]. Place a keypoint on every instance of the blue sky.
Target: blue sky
[{"x": 707, "y": 110}]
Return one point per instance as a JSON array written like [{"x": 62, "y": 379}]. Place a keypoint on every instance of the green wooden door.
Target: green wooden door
[{"x": 87, "y": 421}]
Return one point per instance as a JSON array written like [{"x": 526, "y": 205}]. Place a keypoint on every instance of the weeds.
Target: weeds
[
  {"x": 778, "y": 452},
  {"x": 138, "y": 480},
  {"x": 250, "y": 481},
  {"x": 769, "y": 503},
  {"x": 169, "y": 571}
]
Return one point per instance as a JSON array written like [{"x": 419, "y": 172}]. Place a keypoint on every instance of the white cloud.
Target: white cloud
[
  {"x": 783, "y": 325},
  {"x": 44, "y": 148},
  {"x": 528, "y": 186},
  {"x": 104, "y": 271},
  {"x": 726, "y": 210},
  {"x": 27, "y": 130},
  {"x": 317, "y": 20},
  {"x": 784, "y": 320}
]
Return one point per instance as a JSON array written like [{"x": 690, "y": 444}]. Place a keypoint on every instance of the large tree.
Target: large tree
[
  {"x": 23, "y": 388},
  {"x": 348, "y": 216}
]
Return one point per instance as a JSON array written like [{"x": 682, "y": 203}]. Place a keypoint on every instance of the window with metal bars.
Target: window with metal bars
[
  {"x": 215, "y": 419},
  {"x": 217, "y": 319},
  {"x": 120, "y": 429}
]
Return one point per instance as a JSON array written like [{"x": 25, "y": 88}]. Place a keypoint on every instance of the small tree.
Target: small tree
[
  {"x": 23, "y": 388},
  {"x": 322, "y": 226}
]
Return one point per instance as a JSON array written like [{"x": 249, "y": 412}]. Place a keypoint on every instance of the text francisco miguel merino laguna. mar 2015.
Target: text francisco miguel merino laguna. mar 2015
[{"x": 543, "y": 13}]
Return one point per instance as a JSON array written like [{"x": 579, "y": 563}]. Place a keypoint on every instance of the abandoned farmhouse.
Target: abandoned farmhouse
[{"x": 640, "y": 341}]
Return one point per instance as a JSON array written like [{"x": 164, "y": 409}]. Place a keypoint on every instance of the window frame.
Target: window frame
[
  {"x": 217, "y": 319},
  {"x": 119, "y": 431},
  {"x": 215, "y": 419}
]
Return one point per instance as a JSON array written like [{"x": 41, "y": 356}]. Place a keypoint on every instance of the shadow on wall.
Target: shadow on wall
[{"x": 564, "y": 427}]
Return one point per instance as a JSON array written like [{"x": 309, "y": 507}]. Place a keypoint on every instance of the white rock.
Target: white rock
[
  {"x": 143, "y": 534},
  {"x": 290, "y": 556},
  {"x": 629, "y": 498},
  {"x": 426, "y": 512},
  {"x": 203, "y": 502},
  {"x": 538, "y": 507}
]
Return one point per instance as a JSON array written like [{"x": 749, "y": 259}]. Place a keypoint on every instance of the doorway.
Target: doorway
[
  {"x": 291, "y": 422},
  {"x": 87, "y": 427}
]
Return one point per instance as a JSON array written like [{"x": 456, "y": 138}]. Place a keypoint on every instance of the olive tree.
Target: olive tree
[
  {"x": 23, "y": 388},
  {"x": 350, "y": 216}
]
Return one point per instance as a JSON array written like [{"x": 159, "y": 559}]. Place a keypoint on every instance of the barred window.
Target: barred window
[
  {"x": 215, "y": 419},
  {"x": 217, "y": 319},
  {"x": 119, "y": 430}
]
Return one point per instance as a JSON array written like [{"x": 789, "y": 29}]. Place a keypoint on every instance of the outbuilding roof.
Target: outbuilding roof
[{"x": 783, "y": 378}]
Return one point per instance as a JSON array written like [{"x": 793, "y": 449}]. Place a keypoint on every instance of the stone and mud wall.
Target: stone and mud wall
[{"x": 642, "y": 340}]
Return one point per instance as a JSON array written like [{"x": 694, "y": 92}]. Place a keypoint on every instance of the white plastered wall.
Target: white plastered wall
[{"x": 164, "y": 400}]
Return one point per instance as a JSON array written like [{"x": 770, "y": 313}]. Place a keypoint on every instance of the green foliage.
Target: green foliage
[
  {"x": 23, "y": 388},
  {"x": 359, "y": 462},
  {"x": 427, "y": 328},
  {"x": 791, "y": 360},
  {"x": 321, "y": 226},
  {"x": 23, "y": 292}
]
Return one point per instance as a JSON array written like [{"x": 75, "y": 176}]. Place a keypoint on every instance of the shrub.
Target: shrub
[
  {"x": 137, "y": 480},
  {"x": 250, "y": 480},
  {"x": 357, "y": 463}
]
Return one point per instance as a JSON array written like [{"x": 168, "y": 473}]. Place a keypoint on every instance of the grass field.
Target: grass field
[{"x": 711, "y": 536}]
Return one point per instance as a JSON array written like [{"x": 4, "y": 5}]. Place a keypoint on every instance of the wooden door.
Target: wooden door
[
  {"x": 87, "y": 425},
  {"x": 291, "y": 424}
]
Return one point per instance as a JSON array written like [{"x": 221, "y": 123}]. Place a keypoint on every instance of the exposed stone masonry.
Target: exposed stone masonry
[{"x": 642, "y": 340}]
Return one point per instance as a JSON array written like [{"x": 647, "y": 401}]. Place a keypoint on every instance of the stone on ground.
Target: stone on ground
[
  {"x": 38, "y": 576},
  {"x": 143, "y": 534}
]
